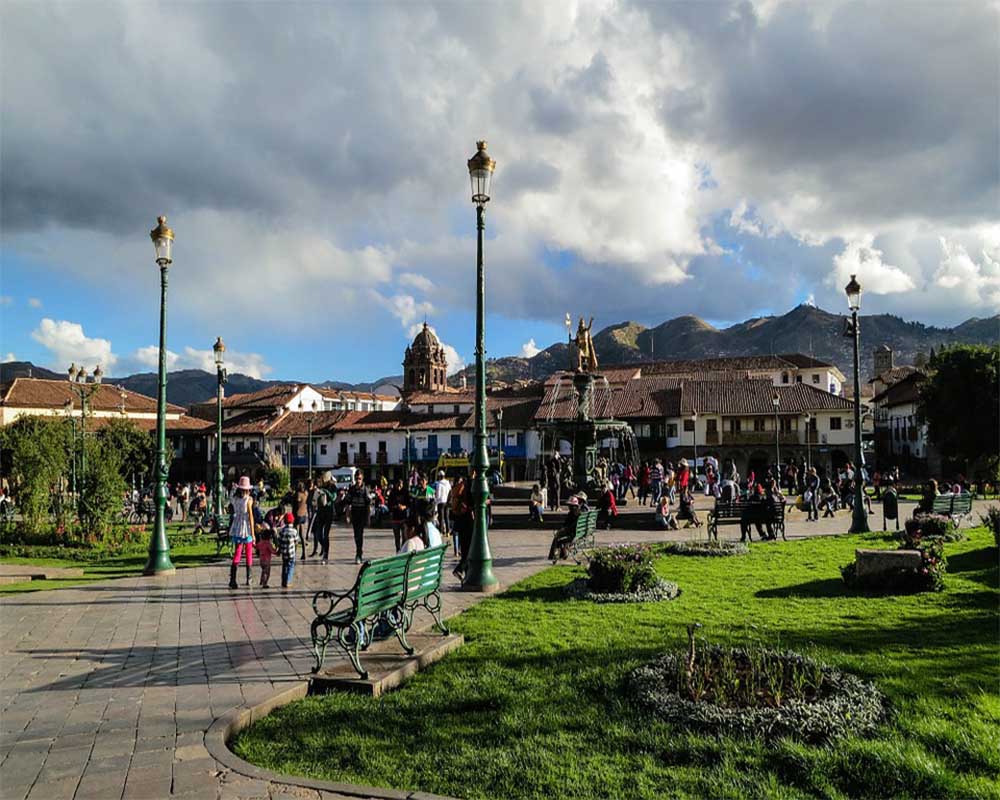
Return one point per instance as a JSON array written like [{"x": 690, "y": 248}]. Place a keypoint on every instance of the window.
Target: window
[
  {"x": 784, "y": 377},
  {"x": 815, "y": 378},
  {"x": 322, "y": 449},
  {"x": 343, "y": 449},
  {"x": 798, "y": 379},
  {"x": 785, "y": 424},
  {"x": 455, "y": 410},
  {"x": 253, "y": 447},
  {"x": 381, "y": 447},
  {"x": 363, "y": 448},
  {"x": 671, "y": 430},
  {"x": 711, "y": 426},
  {"x": 735, "y": 425},
  {"x": 689, "y": 426},
  {"x": 456, "y": 442},
  {"x": 239, "y": 447},
  {"x": 758, "y": 425},
  {"x": 197, "y": 445},
  {"x": 643, "y": 431},
  {"x": 834, "y": 423}
]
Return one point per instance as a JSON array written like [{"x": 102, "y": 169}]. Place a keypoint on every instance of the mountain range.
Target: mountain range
[{"x": 805, "y": 329}]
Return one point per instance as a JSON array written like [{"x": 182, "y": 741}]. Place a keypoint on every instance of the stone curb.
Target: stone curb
[{"x": 221, "y": 731}]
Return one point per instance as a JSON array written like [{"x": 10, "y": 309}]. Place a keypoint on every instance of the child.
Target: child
[
  {"x": 265, "y": 549},
  {"x": 288, "y": 539},
  {"x": 536, "y": 504}
]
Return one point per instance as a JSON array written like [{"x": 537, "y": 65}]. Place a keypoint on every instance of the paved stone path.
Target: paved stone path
[{"x": 107, "y": 690}]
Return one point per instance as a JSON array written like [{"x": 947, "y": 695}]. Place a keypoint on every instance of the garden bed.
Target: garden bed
[
  {"x": 725, "y": 547},
  {"x": 660, "y": 590},
  {"x": 758, "y": 693}
]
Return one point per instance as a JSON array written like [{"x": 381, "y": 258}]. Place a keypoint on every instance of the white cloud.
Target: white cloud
[
  {"x": 34, "y": 302},
  {"x": 861, "y": 258},
  {"x": 973, "y": 283},
  {"x": 68, "y": 344},
  {"x": 530, "y": 349},
  {"x": 455, "y": 361},
  {"x": 251, "y": 364},
  {"x": 406, "y": 309},
  {"x": 415, "y": 281},
  {"x": 9, "y": 357}
]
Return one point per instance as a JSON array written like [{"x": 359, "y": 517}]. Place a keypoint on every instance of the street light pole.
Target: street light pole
[
  {"x": 219, "y": 349},
  {"x": 694, "y": 442},
  {"x": 480, "y": 577},
  {"x": 72, "y": 464},
  {"x": 159, "y": 562},
  {"x": 78, "y": 384},
  {"x": 776, "y": 400},
  {"x": 406, "y": 434},
  {"x": 859, "y": 519},
  {"x": 808, "y": 434},
  {"x": 500, "y": 442}
]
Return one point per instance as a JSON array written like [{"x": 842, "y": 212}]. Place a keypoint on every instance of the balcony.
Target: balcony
[
  {"x": 412, "y": 457},
  {"x": 431, "y": 453},
  {"x": 762, "y": 438},
  {"x": 343, "y": 459},
  {"x": 381, "y": 458},
  {"x": 362, "y": 460},
  {"x": 813, "y": 437},
  {"x": 711, "y": 437}
]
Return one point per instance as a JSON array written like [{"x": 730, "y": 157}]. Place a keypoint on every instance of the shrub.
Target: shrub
[
  {"x": 621, "y": 569},
  {"x": 579, "y": 589},
  {"x": 931, "y": 526},
  {"x": 279, "y": 479},
  {"x": 991, "y": 519}
]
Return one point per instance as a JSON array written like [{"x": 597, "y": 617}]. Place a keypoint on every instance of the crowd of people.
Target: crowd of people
[{"x": 420, "y": 514}]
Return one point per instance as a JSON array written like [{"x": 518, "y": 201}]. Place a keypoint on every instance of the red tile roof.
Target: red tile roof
[
  {"x": 46, "y": 393},
  {"x": 904, "y": 391},
  {"x": 270, "y": 397}
]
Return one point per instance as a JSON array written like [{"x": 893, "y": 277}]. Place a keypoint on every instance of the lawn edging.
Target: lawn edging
[{"x": 222, "y": 731}]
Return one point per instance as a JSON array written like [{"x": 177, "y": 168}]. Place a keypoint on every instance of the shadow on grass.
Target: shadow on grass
[{"x": 822, "y": 587}]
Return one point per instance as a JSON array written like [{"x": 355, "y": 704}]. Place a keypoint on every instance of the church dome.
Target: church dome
[{"x": 425, "y": 339}]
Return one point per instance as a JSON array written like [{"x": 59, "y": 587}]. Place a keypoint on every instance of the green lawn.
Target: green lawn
[
  {"x": 532, "y": 705},
  {"x": 120, "y": 566}
]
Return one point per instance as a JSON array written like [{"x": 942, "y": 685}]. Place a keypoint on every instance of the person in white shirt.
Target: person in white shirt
[
  {"x": 442, "y": 493},
  {"x": 413, "y": 540}
]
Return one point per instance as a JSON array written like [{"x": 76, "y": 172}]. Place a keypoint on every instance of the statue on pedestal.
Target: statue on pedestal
[{"x": 586, "y": 355}]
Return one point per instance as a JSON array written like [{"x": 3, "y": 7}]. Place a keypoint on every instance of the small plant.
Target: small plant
[
  {"x": 725, "y": 547},
  {"x": 931, "y": 526},
  {"x": 621, "y": 569},
  {"x": 991, "y": 519}
]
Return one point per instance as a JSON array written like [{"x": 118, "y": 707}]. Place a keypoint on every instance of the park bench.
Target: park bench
[
  {"x": 583, "y": 537},
  {"x": 385, "y": 594},
  {"x": 956, "y": 506},
  {"x": 732, "y": 512}
]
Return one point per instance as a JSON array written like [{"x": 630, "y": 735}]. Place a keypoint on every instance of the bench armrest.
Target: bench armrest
[{"x": 326, "y": 596}]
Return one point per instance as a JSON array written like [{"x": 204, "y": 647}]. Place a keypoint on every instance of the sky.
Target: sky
[{"x": 724, "y": 159}]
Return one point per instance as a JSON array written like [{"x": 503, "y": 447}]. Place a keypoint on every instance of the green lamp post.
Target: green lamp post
[
  {"x": 78, "y": 384},
  {"x": 480, "y": 577},
  {"x": 72, "y": 451},
  {"x": 159, "y": 562},
  {"x": 859, "y": 519},
  {"x": 776, "y": 402},
  {"x": 219, "y": 351}
]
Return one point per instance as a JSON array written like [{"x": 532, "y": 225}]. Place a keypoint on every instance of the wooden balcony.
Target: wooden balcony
[
  {"x": 381, "y": 458},
  {"x": 711, "y": 437},
  {"x": 761, "y": 438},
  {"x": 343, "y": 460},
  {"x": 362, "y": 460}
]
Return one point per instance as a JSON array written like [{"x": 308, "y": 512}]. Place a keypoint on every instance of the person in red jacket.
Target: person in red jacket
[{"x": 607, "y": 508}]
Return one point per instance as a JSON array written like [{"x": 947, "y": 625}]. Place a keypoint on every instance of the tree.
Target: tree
[
  {"x": 103, "y": 488},
  {"x": 960, "y": 402},
  {"x": 135, "y": 448},
  {"x": 38, "y": 449}
]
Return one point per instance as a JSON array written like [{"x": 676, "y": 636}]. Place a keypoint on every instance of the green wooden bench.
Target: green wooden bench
[
  {"x": 423, "y": 584},
  {"x": 956, "y": 506},
  {"x": 583, "y": 537},
  {"x": 386, "y": 592},
  {"x": 734, "y": 512}
]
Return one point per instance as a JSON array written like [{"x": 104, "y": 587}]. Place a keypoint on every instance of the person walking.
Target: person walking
[
  {"x": 288, "y": 538},
  {"x": 552, "y": 483},
  {"x": 442, "y": 492},
  {"x": 644, "y": 483},
  {"x": 399, "y": 506},
  {"x": 241, "y": 531},
  {"x": 265, "y": 550},
  {"x": 462, "y": 521},
  {"x": 301, "y": 504},
  {"x": 811, "y": 495},
  {"x": 360, "y": 510},
  {"x": 322, "y": 521}
]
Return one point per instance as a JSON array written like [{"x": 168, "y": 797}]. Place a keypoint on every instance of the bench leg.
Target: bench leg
[
  {"x": 353, "y": 648},
  {"x": 319, "y": 642},
  {"x": 397, "y": 619},
  {"x": 433, "y": 605}
]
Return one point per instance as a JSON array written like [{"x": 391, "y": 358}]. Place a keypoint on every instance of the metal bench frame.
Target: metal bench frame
[
  {"x": 730, "y": 513},
  {"x": 955, "y": 506},
  {"x": 387, "y": 590}
]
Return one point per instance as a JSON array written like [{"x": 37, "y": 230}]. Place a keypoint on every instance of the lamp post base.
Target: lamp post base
[{"x": 487, "y": 588}]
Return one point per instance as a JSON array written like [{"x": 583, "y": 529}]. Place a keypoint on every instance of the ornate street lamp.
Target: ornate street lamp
[
  {"x": 159, "y": 562},
  {"x": 309, "y": 427},
  {"x": 81, "y": 388},
  {"x": 219, "y": 351},
  {"x": 859, "y": 519},
  {"x": 480, "y": 577},
  {"x": 500, "y": 441},
  {"x": 694, "y": 442},
  {"x": 776, "y": 401},
  {"x": 808, "y": 418},
  {"x": 406, "y": 434},
  {"x": 68, "y": 406}
]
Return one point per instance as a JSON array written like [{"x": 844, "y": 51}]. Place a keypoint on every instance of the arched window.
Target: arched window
[{"x": 411, "y": 378}]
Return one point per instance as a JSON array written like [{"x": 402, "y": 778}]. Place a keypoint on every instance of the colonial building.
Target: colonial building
[
  {"x": 105, "y": 402},
  {"x": 900, "y": 437},
  {"x": 425, "y": 365}
]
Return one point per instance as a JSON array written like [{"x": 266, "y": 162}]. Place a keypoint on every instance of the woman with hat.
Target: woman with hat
[
  {"x": 567, "y": 532},
  {"x": 241, "y": 530}
]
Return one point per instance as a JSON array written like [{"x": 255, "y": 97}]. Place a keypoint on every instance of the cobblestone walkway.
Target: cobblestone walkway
[{"x": 107, "y": 690}]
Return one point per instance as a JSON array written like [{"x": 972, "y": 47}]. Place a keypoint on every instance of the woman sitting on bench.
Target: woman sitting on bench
[
  {"x": 687, "y": 511},
  {"x": 567, "y": 532}
]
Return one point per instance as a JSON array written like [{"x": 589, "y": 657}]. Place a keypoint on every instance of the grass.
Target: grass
[
  {"x": 532, "y": 705},
  {"x": 124, "y": 565}
]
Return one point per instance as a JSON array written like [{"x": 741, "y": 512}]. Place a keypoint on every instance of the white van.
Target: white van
[{"x": 343, "y": 477}]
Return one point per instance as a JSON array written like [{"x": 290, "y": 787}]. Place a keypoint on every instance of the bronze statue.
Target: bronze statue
[{"x": 586, "y": 355}]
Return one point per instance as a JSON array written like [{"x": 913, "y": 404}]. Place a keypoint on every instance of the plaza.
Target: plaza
[{"x": 110, "y": 689}]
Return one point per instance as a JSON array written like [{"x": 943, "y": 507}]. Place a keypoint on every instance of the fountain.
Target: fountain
[{"x": 579, "y": 409}]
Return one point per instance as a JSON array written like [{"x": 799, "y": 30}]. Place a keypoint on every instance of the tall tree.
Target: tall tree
[{"x": 960, "y": 402}]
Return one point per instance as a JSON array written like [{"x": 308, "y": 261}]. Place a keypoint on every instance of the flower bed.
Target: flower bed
[
  {"x": 621, "y": 569},
  {"x": 928, "y": 577},
  {"x": 726, "y": 547},
  {"x": 579, "y": 589},
  {"x": 758, "y": 693},
  {"x": 931, "y": 526}
]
